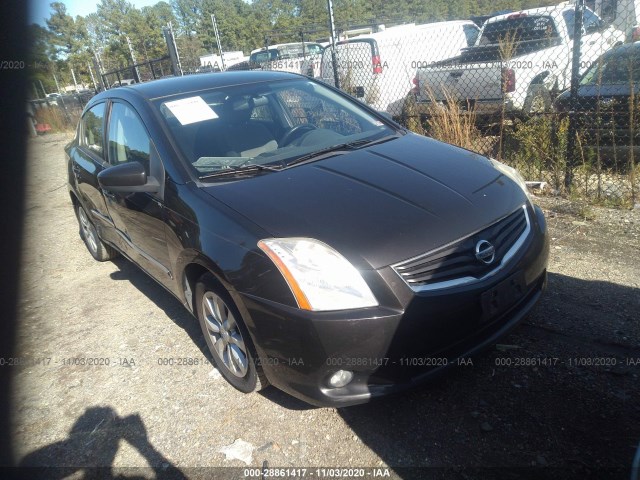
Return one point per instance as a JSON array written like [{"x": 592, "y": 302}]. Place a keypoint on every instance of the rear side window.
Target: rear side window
[
  {"x": 471, "y": 33},
  {"x": 590, "y": 20},
  {"x": 128, "y": 138},
  {"x": 314, "y": 49},
  {"x": 519, "y": 29},
  {"x": 264, "y": 56},
  {"x": 92, "y": 129}
]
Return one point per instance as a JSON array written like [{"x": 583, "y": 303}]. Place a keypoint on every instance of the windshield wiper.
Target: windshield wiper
[
  {"x": 341, "y": 146},
  {"x": 248, "y": 168}
]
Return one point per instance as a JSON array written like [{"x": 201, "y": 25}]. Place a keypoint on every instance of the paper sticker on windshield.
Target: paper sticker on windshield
[{"x": 191, "y": 110}]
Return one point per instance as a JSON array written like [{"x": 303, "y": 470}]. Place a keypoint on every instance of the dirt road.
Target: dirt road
[{"x": 114, "y": 372}]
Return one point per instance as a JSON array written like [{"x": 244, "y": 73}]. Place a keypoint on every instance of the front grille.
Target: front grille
[{"x": 457, "y": 263}]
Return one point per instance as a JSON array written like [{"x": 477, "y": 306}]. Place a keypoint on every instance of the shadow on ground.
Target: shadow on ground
[
  {"x": 163, "y": 299},
  {"x": 563, "y": 419},
  {"x": 181, "y": 317},
  {"x": 91, "y": 448}
]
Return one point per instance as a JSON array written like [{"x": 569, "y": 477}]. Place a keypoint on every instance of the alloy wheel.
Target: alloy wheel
[
  {"x": 225, "y": 335},
  {"x": 88, "y": 232}
]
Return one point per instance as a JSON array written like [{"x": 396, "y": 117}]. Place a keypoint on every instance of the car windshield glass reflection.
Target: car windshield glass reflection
[
  {"x": 271, "y": 125},
  {"x": 617, "y": 69}
]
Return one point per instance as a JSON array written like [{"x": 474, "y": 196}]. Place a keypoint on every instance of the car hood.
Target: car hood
[
  {"x": 590, "y": 95},
  {"x": 378, "y": 205}
]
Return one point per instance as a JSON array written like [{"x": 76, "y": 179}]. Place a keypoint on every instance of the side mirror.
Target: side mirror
[{"x": 127, "y": 177}]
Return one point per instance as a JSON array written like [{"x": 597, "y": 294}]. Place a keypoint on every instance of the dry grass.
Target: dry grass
[
  {"x": 448, "y": 122},
  {"x": 507, "y": 46},
  {"x": 54, "y": 117}
]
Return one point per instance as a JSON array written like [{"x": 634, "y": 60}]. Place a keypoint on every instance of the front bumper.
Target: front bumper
[{"x": 409, "y": 339}]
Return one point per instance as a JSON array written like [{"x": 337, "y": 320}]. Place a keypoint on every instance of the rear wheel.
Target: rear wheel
[
  {"x": 538, "y": 100},
  {"x": 99, "y": 250},
  {"x": 227, "y": 336}
]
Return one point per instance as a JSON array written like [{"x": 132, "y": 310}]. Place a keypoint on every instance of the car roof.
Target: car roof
[
  {"x": 407, "y": 29},
  {"x": 202, "y": 81},
  {"x": 553, "y": 9},
  {"x": 624, "y": 49},
  {"x": 275, "y": 47}
]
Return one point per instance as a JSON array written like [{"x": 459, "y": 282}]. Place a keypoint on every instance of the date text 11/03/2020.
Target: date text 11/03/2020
[
  {"x": 402, "y": 361},
  {"x": 316, "y": 472}
]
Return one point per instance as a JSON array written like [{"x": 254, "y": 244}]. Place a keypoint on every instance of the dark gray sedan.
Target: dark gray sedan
[{"x": 323, "y": 248}]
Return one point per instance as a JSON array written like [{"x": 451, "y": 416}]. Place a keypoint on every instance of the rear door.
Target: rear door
[
  {"x": 355, "y": 67},
  {"x": 138, "y": 217},
  {"x": 87, "y": 161}
]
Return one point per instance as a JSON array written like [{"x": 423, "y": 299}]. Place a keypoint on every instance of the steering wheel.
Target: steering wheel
[{"x": 296, "y": 131}]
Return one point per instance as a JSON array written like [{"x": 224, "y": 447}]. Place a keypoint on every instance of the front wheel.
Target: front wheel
[
  {"x": 538, "y": 100},
  {"x": 227, "y": 336}
]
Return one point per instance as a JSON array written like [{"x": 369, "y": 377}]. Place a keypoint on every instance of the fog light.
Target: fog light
[{"x": 340, "y": 378}]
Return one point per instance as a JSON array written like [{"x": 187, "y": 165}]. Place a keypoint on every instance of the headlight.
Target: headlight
[
  {"x": 512, "y": 173},
  {"x": 319, "y": 277}
]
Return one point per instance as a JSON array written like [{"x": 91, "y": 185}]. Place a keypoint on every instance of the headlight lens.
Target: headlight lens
[
  {"x": 512, "y": 173},
  {"x": 319, "y": 277}
]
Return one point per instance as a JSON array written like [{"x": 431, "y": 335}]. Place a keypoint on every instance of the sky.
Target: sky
[{"x": 39, "y": 9}]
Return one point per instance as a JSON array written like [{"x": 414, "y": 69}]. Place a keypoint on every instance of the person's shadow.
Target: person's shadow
[{"x": 92, "y": 446}]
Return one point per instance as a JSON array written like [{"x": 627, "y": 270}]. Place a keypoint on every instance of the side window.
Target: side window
[
  {"x": 306, "y": 108},
  {"x": 262, "y": 112},
  {"x": 128, "y": 139},
  {"x": 592, "y": 22},
  {"x": 314, "y": 49},
  {"x": 92, "y": 129},
  {"x": 471, "y": 33}
]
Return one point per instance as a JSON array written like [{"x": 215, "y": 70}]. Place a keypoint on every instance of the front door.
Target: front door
[{"x": 138, "y": 217}]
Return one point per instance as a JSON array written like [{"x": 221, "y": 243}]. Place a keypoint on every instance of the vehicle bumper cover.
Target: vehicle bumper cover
[{"x": 299, "y": 350}]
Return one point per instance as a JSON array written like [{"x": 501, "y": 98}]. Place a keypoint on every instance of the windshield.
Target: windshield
[
  {"x": 285, "y": 52},
  {"x": 614, "y": 70},
  {"x": 267, "y": 124}
]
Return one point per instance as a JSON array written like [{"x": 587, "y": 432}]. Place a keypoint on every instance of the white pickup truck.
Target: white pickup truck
[{"x": 517, "y": 63}]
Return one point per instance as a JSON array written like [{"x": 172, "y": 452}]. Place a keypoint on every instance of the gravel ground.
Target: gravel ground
[{"x": 575, "y": 415}]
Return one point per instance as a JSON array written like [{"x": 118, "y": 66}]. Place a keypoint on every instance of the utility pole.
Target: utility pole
[
  {"x": 57, "y": 84},
  {"x": 136, "y": 73},
  {"x": 93, "y": 79},
  {"x": 73, "y": 74},
  {"x": 575, "y": 81},
  {"x": 175, "y": 46},
  {"x": 217, "y": 34},
  {"x": 97, "y": 64},
  {"x": 334, "y": 60}
]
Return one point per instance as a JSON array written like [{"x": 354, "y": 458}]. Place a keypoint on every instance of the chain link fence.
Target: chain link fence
[
  {"x": 550, "y": 90},
  {"x": 56, "y": 112}
]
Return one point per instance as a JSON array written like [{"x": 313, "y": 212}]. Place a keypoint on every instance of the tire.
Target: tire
[
  {"x": 227, "y": 336},
  {"x": 538, "y": 100},
  {"x": 89, "y": 235}
]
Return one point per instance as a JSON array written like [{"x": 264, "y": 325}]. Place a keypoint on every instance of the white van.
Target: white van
[
  {"x": 379, "y": 68},
  {"x": 287, "y": 57}
]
